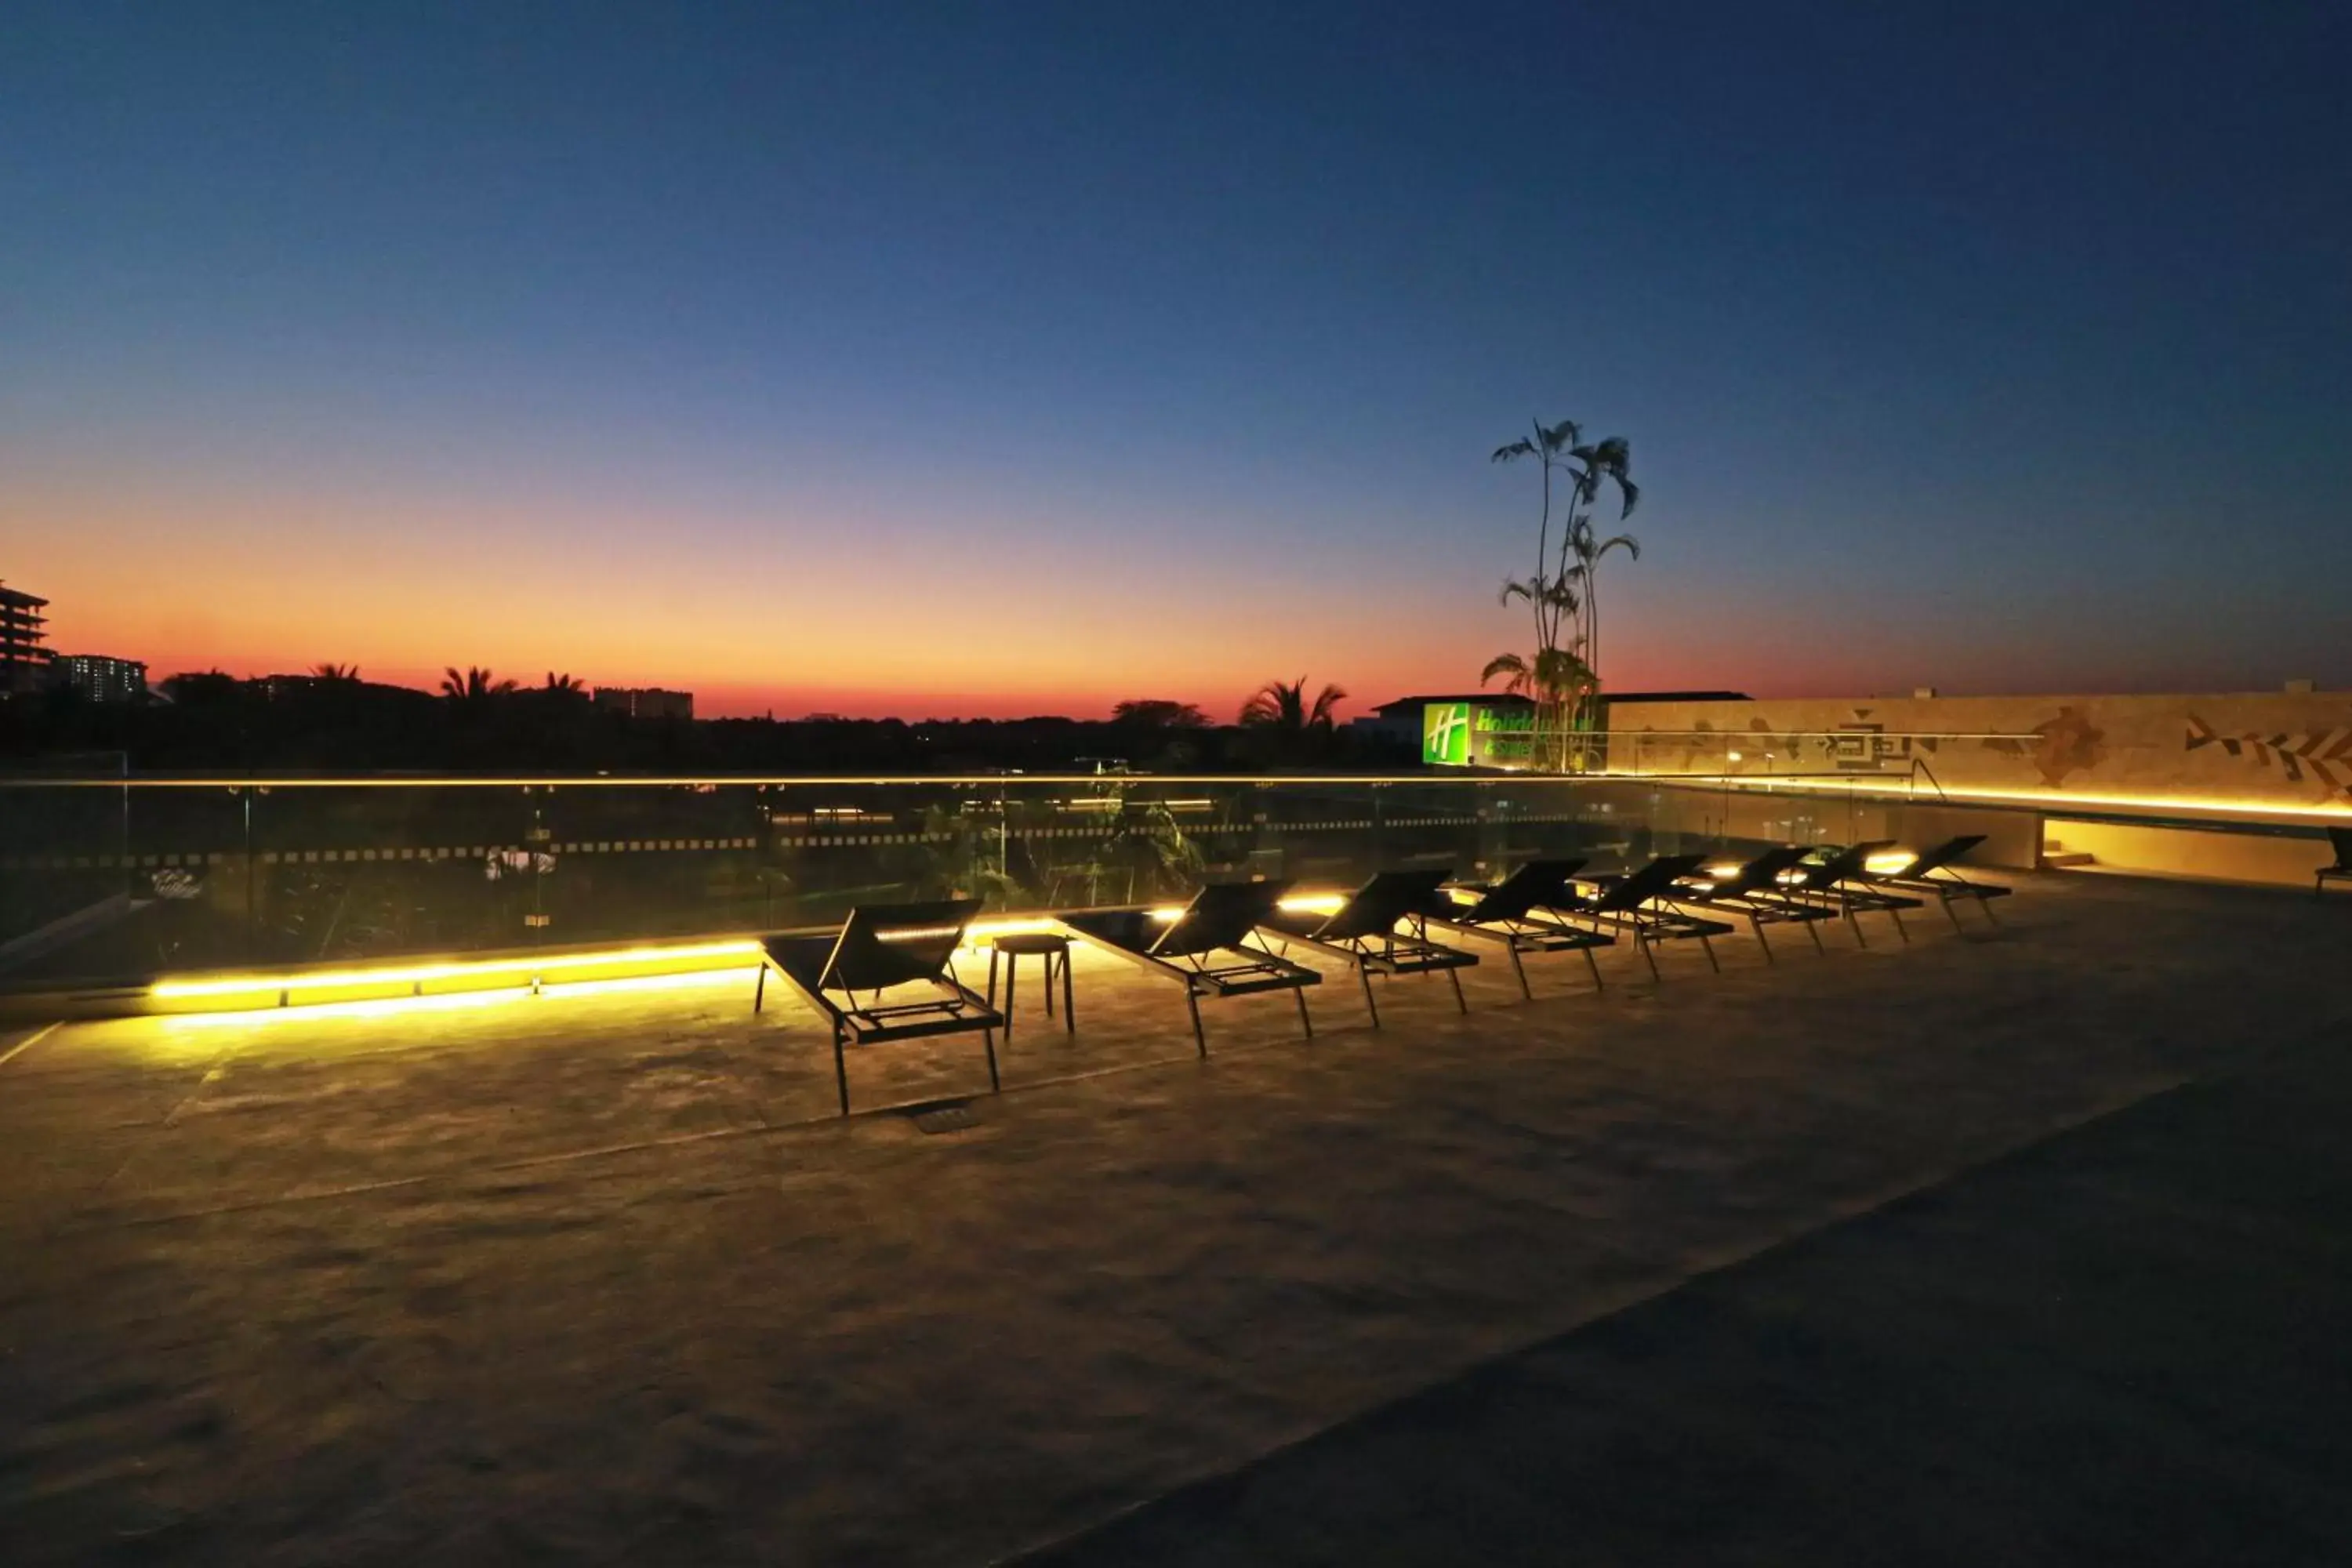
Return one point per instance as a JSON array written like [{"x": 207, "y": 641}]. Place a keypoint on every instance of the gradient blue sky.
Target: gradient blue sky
[{"x": 1024, "y": 357}]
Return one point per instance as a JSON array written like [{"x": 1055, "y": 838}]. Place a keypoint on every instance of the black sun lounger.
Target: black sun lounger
[
  {"x": 1219, "y": 921},
  {"x": 1363, "y": 931},
  {"x": 1839, "y": 882},
  {"x": 1502, "y": 913},
  {"x": 2340, "y": 872},
  {"x": 878, "y": 948},
  {"x": 1752, "y": 893},
  {"x": 1931, "y": 875},
  {"x": 1640, "y": 904}
]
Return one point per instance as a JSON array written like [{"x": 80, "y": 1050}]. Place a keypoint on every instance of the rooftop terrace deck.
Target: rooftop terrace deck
[{"x": 602, "y": 1277}]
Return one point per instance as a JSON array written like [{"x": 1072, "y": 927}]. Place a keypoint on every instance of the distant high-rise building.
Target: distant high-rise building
[
  {"x": 24, "y": 661},
  {"x": 646, "y": 702},
  {"x": 99, "y": 678}
]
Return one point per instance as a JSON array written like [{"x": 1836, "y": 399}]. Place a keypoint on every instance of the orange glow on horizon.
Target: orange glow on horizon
[{"x": 792, "y": 605}]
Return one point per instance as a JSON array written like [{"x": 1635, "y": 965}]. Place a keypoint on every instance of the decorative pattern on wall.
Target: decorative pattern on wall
[
  {"x": 2326, "y": 754},
  {"x": 2069, "y": 743}
]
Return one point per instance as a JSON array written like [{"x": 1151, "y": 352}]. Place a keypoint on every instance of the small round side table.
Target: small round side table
[{"x": 1051, "y": 946}]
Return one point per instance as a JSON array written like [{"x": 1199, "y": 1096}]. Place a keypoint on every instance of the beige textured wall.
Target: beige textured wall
[{"x": 2243, "y": 749}]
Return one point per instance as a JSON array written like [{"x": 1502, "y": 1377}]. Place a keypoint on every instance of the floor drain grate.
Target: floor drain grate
[{"x": 957, "y": 1117}]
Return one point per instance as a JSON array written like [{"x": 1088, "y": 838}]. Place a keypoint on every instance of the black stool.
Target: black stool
[{"x": 1051, "y": 946}]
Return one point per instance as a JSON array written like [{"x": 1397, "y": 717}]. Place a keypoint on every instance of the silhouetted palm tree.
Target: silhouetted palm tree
[
  {"x": 1561, "y": 594},
  {"x": 1611, "y": 462},
  {"x": 1282, "y": 705},
  {"x": 563, "y": 686},
  {"x": 336, "y": 672},
  {"x": 1555, "y": 678},
  {"x": 477, "y": 685},
  {"x": 1553, "y": 675}
]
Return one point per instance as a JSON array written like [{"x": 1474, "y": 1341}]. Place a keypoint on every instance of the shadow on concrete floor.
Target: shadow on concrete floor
[{"x": 2126, "y": 1345}]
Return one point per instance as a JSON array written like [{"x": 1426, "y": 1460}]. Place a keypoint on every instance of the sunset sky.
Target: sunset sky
[{"x": 1021, "y": 359}]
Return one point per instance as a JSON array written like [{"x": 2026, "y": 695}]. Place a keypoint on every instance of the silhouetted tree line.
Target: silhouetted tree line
[{"x": 332, "y": 720}]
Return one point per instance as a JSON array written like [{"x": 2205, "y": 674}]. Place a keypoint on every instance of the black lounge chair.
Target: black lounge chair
[
  {"x": 878, "y": 948},
  {"x": 1931, "y": 875},
  {"x": 1363, "y": 932},
  {"x": 1642, "y": 904},
  {"x": 1503, "y": 913},
  {"x": 2342, "y": 870},
  {"x": 1221, "y": 920},
  {"x": 1752, "y": 893},
  {"x": 1840, "y": 881}
]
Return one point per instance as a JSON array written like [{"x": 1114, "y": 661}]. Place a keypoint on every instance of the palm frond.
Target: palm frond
[
  {"x": 1508, "y": 664},
  {"x": 1325, "y": 712}
]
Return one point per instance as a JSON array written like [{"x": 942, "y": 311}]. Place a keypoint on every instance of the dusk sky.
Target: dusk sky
[{"x": 1023, "y": 358}]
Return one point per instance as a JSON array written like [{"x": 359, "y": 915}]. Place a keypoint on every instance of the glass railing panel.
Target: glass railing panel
[
  {"x": 177, "y": 878},
  {"x": 105, "y": 879},
  {"x": 347, "y": 874},
  {"x": 61, "y": 850}
]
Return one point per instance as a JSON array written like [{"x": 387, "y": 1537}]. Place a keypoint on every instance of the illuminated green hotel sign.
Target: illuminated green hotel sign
[{"x": 1457, "y": 734}]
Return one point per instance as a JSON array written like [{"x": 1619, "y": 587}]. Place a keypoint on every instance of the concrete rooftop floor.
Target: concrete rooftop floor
[{"x": 602, "y": 1278}]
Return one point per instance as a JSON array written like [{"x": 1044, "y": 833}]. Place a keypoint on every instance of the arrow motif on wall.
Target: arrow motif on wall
[{"x": 2327, "y": 755}]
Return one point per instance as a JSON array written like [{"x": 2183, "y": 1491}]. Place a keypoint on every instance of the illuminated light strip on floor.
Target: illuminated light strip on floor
[
  {"x": 484, "y": 975},
  {"x": 454, "y": 1001},
  {"x": 419, "y": 975},
  {"x": 982, "y": 931}
]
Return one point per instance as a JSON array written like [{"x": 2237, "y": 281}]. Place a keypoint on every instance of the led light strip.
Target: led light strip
[
  {"x": 453, "y": 1001},
  {"x": 419, "y": 975},
  {"x": 525, "y": 974},
  {"x": 2053, "y": 802}
]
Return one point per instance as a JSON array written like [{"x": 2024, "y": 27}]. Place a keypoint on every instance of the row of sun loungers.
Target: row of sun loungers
[{"x": 1234, "y": 939}]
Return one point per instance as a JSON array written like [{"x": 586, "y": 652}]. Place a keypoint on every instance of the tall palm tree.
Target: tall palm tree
[
  {"x": 1610, "y": 462},
  {"x": 1552, "y": 675},
  {"x": 1555, "y": 678},
  {"x": 563, "y": 686},
  {"x": 336, "y": 672},
  {"x": 1562, "y": 676},
  {"x": 1282, "y": 705},
  {"x": 476, "y": 685}
]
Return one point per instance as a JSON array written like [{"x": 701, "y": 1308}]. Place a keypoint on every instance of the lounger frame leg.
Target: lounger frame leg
[
  {"x": 1200, "y": 1041},
  {"x": 1953, "y": 914},
  {"x": 1593, "y": 964},
  {"x": 1520, "y": 969},
  {"x": 988, "y": 1038},
  {"x": 1298, "y": 995},
  {"x": 759, "y": 990},
  {"x": 1642, "y": 944},
  {"x": 1708, "y": 948},
  {"x": 1900, "y": 929},
  {"x": 1757, "y": 924},
  {"x": 840, "y": 1071},
  {"x": 1814, "y": 930},
  {"x": 1461, "y": 1005},
  {"x": 1069, "y": 1000}
]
